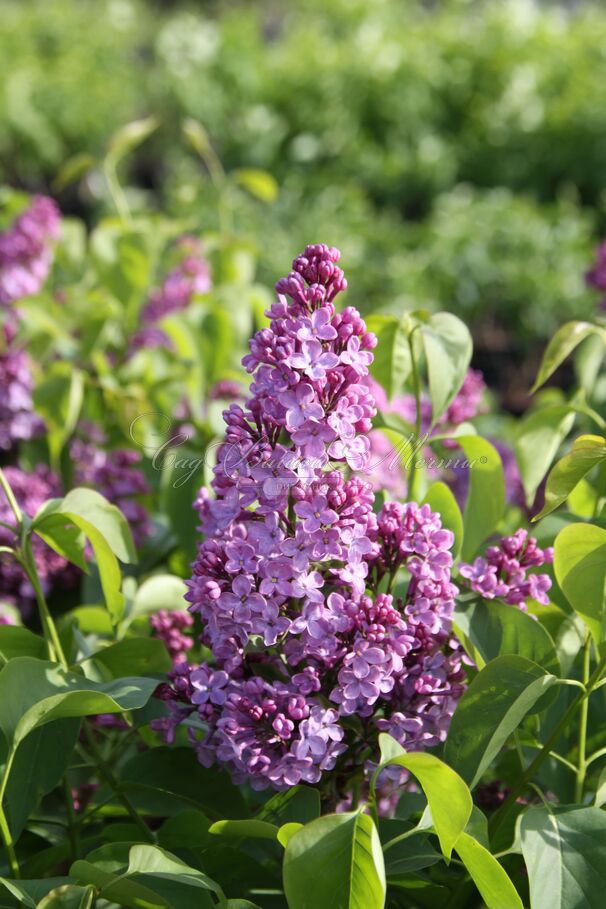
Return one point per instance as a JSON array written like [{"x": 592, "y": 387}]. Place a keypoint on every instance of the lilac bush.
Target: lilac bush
[
  {"x": 327, "y": 622},
  {"x": 26, "y": 250}
]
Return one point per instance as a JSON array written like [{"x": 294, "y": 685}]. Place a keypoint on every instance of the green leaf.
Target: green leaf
[
  {"x": 496, "y": 629},
  {"x": 68, "y": 896},
  {"x": 108, "y": 532},
  {"x": 392, "y": 364},
  {"x": 165, "y": 780},
  {"x": 29, "y": 892},
  {"x": 335, "y": 861},
  {"x": 538, "y": 438},
  {"x": 490, "y": 878},
  {"x": 66, "y": 539},
  {"x": 587, "y": 452},
  {"x": 493, "y": 706},
  {"x": 580, "y": 568},
  {"x": 128, "y": 137},
  {"x": 253, "y": 828},
  {"x": 186, "y": 830},
  {"x": 16, "y": 641},
  {"x": 447, "y": 795},
  {"x": 96, "y": 510},
  {"x": 161, "y": 591},
  {"x": 134, "y": 655},
  {"x": 440, "y": 498},
  {"x": 287, "y": 831},
  {"x": 38, "y": 766},
  {"x": 448, "y": 348},
  {"x": 565, "y": 854},
  {"x": 486, "y": 497},
  {"x": 561, "y": 345},
  {"x": 259, "y": 183},
  {"x": 58, "y": 399},
  {"x": 34, "y": 692},
  {"x": 72, "y": 170},
  {"x": 298, "y": 803}
]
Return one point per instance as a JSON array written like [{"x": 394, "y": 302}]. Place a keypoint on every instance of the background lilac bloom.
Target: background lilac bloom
[
  {"x": 26, "y": 250},
  {"x": 18, "y": 422},
  {"x": 180, "y": 286}
]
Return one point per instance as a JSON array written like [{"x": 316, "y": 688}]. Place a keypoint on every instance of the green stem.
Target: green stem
[
  {"x": 582, "y": 761},
  {"x": 503, "y": 812},
  {"x": 4, "y": 827},
  {"x": 416, "y": 385},
  {"x": 117, "y": 194},
  {"x": 108, "y": 775},
  {"x": 8, "y": 492},
  {"x": 50, "y": 629}
]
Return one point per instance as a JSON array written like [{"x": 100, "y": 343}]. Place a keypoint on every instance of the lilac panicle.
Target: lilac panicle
[
  {"x": 191, "y": 276},
  {"x": 310, "y": 660},
  {"x": 18, "y": 422},
  {"x": 26, "y": 250},
  {"x": 171, "y": 626},
  {"x": 503, "y": 571}
]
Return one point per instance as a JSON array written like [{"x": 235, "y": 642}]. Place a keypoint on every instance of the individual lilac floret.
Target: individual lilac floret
[
  {"x": 504, "y": 571},
  {"x": 116, "y": 475},
  {"x": 18, "y": 422},
  {"x": 190, "y": 277},
  {"x": 310, "y": 659},
  {"x": 31, "y": 490},
  {"x": 26, "y": 250},
  {"x": 173, "y": 627}
]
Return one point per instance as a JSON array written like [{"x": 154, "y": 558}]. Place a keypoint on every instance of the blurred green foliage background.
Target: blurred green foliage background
[{"x": 454, "y": 150}]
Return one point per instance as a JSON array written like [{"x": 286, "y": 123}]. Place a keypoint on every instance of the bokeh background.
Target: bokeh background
[{"x": 454, "y": 150}]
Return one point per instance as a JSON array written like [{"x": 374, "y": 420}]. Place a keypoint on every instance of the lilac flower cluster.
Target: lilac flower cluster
[
  {"x": 115, "y": 475},
  {"x": 190, "y": 277},
  {"x": 26, "y": 250},
  {"x": 171, "y": 627},
  {"x": 31, "y": 490},
  {"x": 18, "y": 422},
  {"x": 596, "y": 276},
  {"x": 311, "y": 658},
  {"x": 504, "y": 571}
]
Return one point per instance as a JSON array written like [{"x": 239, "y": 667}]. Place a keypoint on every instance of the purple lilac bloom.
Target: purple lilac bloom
[
  {"x": 504, "y": 571},
  {"x": 286, "y": 579},
  {"x": 189, "y": 278},
  {"x": 18, "y": 422},
  {"x": 172, "y": 626},
  {"x": 31, "y": 490},
  {"x": 26, "y": 250},
  {"x": 116, "y": 475}
]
